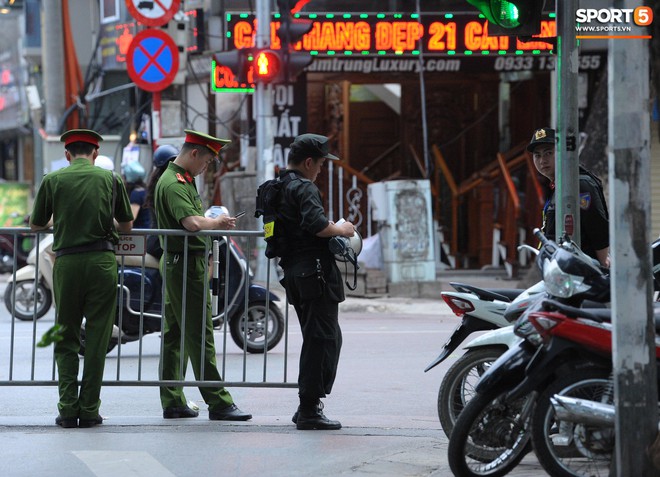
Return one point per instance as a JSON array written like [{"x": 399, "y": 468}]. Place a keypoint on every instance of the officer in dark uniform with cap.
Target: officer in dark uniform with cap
[
  {"x": 312, "y": 279},
  {"x": 178, "y": 206},
  {"x": 83, "y": 201},
  {"x": 594, "y": 221}
]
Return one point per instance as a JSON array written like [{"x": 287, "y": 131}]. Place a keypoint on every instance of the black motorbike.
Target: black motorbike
[
  {"x": 256, "y": 323},
  {"x": 492, "y": 433}
]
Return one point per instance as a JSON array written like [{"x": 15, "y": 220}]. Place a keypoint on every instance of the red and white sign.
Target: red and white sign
[
  {"x": 131, "y": 245},
  {"x": 153, "y": 13},
  {"x": 152, "y": 60}
]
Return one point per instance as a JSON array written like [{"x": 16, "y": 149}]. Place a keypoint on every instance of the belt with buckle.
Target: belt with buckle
[{"x": 100, "y": 246}]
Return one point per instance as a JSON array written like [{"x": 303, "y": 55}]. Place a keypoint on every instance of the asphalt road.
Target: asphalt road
[{"x": 385, "y": 401}]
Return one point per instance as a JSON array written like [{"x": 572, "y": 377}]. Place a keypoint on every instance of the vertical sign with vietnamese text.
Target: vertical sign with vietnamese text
[{"x": 289, "y": 117}]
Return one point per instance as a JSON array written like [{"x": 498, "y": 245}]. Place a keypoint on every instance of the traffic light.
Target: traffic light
[
  {"x": 267, "y": 66},
  {"x": 290, "y": 32},
  {"x": 511, "y": 17},
  {"x": 238, "y": 61}
]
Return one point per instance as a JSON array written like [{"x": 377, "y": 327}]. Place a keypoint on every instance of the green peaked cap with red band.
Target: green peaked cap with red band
[
  {"x": 81, "y": 135},
  {"x": 214, "y": 144}
]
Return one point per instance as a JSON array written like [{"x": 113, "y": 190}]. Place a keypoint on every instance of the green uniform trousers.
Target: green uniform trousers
[
  {"x": 196, "y": 319},
  {"x": 85, "y": 286}
]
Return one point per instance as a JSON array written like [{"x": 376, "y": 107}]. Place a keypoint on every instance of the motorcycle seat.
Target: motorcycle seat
[
  {"x": 488, "y": 294},
  {"x": 136, "y": 261}
]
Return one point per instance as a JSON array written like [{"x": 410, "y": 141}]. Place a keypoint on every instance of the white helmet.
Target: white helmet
[
  {"x": 104, "y": 162},
  {"x": 346, "y": 249}
]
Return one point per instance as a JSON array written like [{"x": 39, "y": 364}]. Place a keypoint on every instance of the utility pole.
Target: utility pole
[
  {"x": 567, "y": 184},
  {"x": 53, "y": 61},
  {"x": 635, "y": 385},
  {"x": 263, "y": 100}
]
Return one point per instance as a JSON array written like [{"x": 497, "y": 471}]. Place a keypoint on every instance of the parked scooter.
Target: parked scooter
[
  {"x": 573, "y": 420},
  {"x": 24, "y": 298},
  {"x": 481, "y": 310},
  {"x": 257, "y": 328},
  {"x": 492, "y": 433},
  {"x": 14, "y": 247}
]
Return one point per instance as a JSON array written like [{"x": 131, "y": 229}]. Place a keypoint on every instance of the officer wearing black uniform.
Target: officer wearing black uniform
[
  {"x": 594, "y": 222},
  {"x": 82, "y": 200},
  {"x": 312, "y": 279}
]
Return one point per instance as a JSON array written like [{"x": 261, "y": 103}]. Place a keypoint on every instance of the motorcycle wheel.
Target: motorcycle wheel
[
  {"x": 490, "y": 436},
  {"x": 568, "y": 449},
  {"x": 25, "y": 299},
  {"x": 457, "y": 387},
  {"x": 81, "y": 351},
  {"x": 248, "y": 330}
]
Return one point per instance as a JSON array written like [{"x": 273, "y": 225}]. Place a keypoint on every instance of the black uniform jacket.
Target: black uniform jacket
[{"x": 594, "y": 221}]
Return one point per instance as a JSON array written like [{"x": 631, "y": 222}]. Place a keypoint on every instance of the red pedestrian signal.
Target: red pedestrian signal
[{"x": 267, "y": 66}]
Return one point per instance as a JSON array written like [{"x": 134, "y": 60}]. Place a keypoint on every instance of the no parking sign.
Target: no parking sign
[{"x": 152, "y": 60}]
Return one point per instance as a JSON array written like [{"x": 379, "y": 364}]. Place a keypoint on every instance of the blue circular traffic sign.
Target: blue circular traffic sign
[{"x": 152, "y": 60}]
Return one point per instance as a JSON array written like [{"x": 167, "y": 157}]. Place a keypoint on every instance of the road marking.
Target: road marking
[{"x": 124, "y": 463}]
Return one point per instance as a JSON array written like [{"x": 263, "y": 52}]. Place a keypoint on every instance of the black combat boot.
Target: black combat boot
[{"x": 310, "y": 416}]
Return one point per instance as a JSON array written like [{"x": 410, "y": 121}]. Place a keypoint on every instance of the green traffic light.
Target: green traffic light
[{"x": 505, "y": 13}]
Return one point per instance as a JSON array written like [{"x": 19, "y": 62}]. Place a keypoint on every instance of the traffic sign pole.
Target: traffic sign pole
[
  {"x": 155, "y": 118},
  {"x": 264, "y": 111}
]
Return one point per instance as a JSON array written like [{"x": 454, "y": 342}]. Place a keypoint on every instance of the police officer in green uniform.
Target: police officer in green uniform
[
  {"x": 83, "y": 202},
  {"x": 594, "y": 221},
  {"x": 312, "y": 279},
  {"x": 178, "y": 206}
]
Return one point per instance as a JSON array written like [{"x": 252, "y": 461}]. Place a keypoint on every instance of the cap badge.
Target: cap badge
[{"x": 540, "y": 134}]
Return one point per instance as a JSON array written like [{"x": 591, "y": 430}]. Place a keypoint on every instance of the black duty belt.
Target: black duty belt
[{"x": 100, "y": 246}]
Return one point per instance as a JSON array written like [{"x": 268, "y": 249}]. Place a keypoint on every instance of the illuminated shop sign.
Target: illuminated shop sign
[{"x": 377, "y": 34}]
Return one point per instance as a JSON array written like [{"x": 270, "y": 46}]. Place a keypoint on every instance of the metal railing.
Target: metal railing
[{"x": 24, "y": 363}]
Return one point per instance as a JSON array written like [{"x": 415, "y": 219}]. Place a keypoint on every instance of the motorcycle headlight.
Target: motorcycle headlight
[{"x": 559, "y": 283}]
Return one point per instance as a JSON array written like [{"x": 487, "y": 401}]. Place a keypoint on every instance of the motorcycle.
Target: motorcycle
[
  {"x": 492, "y": 433},
  {"x": 255, "y": 328},
  {"x": 481, "y": 310},
  {"x": 14, "y": 247},
  {"x": 26, "y": 298},
  {"x": 573, "y": 421}
]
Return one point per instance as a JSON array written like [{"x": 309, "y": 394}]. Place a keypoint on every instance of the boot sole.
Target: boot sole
[{"x": 317, "y": 427}]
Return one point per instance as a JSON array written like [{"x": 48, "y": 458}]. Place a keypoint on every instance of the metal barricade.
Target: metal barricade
[{"x": 251, "y": 314}]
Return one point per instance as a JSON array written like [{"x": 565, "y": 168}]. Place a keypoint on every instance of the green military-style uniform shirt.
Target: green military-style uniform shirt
[
  {"x": 176, "y": 198},
  {"x": 79, "y": 198}
]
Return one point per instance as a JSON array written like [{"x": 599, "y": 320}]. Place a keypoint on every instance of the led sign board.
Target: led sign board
[
  {"x": 449, "y": 34},
  {"x": 389, "y": 43}
]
